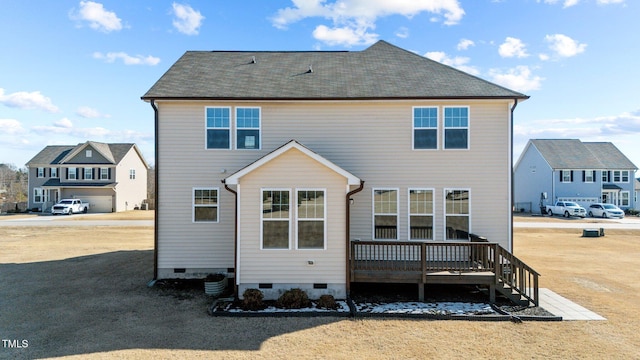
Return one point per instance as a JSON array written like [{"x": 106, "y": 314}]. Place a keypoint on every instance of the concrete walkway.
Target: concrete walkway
[{"x": 560, "y": 306}]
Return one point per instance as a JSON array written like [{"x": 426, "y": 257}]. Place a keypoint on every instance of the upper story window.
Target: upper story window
[
  {"x": 89, "y": 153},
  {"x": 420, "y": 214},
  {"x": 54, "y": 172},
  {"x": 247, "y": 128},
  {"x": 605, "y": 176},
  {"x": 589, "y": 176},
  {"x": 425, "y": 127},
  {"x": 88, "y": 173},
  {"x": 205, "y": 205},
  {"x": 71, "y": 174},
  {"x": 385, "y": 214},
  {"x": 104, "y": 173},
  {"x": 621, "y": 176},
  {"x": 566, "y": 176},
  {"x": 456, "y": 127},
  {"x": 218, "y": 127},
  {"x": 40, "y": 172},
  {"x": 132, "y": 174}
]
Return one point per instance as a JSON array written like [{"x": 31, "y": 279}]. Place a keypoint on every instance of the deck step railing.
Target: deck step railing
[{"x": 451, "y": 256}]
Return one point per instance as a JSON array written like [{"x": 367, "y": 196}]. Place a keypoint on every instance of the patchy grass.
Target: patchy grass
[{"x": 81, "y": 293}]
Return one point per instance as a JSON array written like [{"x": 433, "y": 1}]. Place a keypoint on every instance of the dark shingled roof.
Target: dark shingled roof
[
  {"x": 382, "y": 71},
  {"x": 575, "y": 154},
  {"x": 56, "y": 154}
]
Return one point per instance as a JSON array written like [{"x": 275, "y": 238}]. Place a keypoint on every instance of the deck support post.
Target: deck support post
[
  {"x": 420, "y": 291},
  {"x": 492, "y": 293}
]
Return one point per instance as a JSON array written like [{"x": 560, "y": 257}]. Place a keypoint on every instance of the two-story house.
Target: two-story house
[
  {"x": 271, "y": 164},
  {"x": 572, "y": 170},
  {"x": 110, "y": 177}
]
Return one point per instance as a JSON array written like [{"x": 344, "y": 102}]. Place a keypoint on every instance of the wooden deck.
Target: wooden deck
[{"x": 470, "y": 263}]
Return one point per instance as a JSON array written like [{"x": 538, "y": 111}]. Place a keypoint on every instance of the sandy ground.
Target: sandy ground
[{"x": 81, "y": 293}]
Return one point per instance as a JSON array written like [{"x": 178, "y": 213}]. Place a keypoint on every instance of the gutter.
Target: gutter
[
  {"x": 235, "y": 240},
  {"x": 513, "y": 108},
  {"x": 348, "y": 234}
]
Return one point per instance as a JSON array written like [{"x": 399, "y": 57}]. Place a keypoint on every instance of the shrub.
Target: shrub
[
  {"x": 293, "y": 299},
  {"x": 327, "y": 302},
  {"x": 252, "y": 300}
]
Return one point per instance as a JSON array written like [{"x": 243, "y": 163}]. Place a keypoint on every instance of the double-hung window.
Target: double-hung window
[
  {"x": 457, "y": 203},
  {"x": 71, "y": 174},
  {"x": 54, "y": 172},
  {"x": 276, "y": 219},
  {"x": 132, "y": 174},
  {"x": 311, "y": 219},
  {"x": 566, "y": 176},
  {"x": 616, "y": 176},
  {"x": 205, "y": 205},
  {"x": 247, "y": 128},
  {"x": 456, "y": 127},
  {"x": 625, "y": 176},
  {"x": 37, "y": 195},
  {"x": 425, "y": 127},
  {"x": 385, "y": 214},
  {"x": 88, "y": 173},
  {"x": 40, "y": 172},
  {"x": 104, "y": 173},
  {"x": 218, "y": 127},
  {"x": 624, "y": 198},
  {"x": 420, "y": 214},
  {"x": 589, "y": 176}
]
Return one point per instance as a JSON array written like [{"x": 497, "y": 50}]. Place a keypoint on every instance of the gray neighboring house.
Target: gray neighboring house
[
  {"x": 110, "y": 177},
  {"x": 636, "y": 197},
  {"x": 572, "y": 170},
  {"x": 271, "y": 164}
]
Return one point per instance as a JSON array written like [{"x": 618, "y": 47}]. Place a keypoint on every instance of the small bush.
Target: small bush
[
  {"x": 252, "y": 300},
  {"x": 327, "y": 302},
  {"x": 293, "y": 299}
]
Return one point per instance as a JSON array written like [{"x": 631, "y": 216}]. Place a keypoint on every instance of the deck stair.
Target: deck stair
[{"x": 476, "y": 262}]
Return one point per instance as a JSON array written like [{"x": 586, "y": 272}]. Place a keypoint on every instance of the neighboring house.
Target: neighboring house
[
  {"x": 270, "y": 165},
  {"x": 636, "y": 196},
  {"x": 110, "y": 177},
  {"x": 572, "y": 170}
]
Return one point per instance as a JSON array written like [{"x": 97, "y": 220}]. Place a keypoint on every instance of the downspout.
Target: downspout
[
  {"x": 156, "y": 121},
  {"x": 513, "y": 108},
  {"x": 348, "y": 233},
  {"x": 235, "y": 240}
]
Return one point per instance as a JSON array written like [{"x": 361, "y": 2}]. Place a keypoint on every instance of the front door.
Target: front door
[{"x": 610, "y": 197}]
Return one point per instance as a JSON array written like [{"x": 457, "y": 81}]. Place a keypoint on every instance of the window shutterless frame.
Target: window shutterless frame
[
  {"x": 217, "y": 125},
  {"x": 421, "y": 207},
  {"x": 385, "y": 215},
  {"x": 456, "y": 127},
  {"x": 248, "y": 128},
  {"x": 457, "y": 213},
  {"x": 424, "y": 122},
  {"x": 275, "y": 219},
  {"x": 205, "y": 205},
  {"x": 311, "y": 219}
]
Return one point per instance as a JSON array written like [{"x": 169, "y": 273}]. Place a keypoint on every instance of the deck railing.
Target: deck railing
[{"x": 387, "y": 257}]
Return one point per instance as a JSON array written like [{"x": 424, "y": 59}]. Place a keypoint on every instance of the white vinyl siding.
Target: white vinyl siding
[{"x": 335, "y": 130}]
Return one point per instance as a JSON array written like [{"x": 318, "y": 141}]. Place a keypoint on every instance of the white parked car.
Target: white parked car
[{"x": 605, "y": 211}]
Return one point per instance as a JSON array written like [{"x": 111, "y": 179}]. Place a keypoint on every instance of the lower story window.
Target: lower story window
[
  {"x": 457, "y": 203},
  {"x": 420, "y": 214},
  {"x": 205, "y": 205},
  {"x": 275, "y": 219},
  {"x": 624, "y": 198},
  {"x": 385, "y": 214},
  {"x": 311, "y": 215},
  {"x": 37, "y": 195}
]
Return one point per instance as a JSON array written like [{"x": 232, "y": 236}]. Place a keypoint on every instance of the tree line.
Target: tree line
[{"x": 14, "y": 187}]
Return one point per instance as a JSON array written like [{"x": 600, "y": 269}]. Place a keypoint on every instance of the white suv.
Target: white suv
[{"x": 605, "y": 211}]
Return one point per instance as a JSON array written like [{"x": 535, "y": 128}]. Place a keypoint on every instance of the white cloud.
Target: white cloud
[
  {"x": 11, "y": 127},
  {"x": 187, "y": 20},
  {"x": 63, "y": 123},
  {"x": 353, "y": 20},
  {"x": 126, "y": 58},
  {"x": 519, "y": 78},
  {"x": 564, "y": 46},
  {"x": 98, "y": 17},
  {"x": 607, "y": 2},
  {"x": 458, "y": 62},
  {"x": 90, "y": 113},
  {"x": 27, "y": 100},
  {"x": 565, "y": 3},
  {"x": 402, "y": 32},
  {"x": 513, "y": 47},
  {"x": 464, "y": 44}
]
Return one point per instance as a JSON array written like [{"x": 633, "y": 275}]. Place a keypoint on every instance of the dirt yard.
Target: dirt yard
[{"x": 80, "y": 292}]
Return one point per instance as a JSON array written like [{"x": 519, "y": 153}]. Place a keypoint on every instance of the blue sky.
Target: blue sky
[{"x": 72, "y": 71}]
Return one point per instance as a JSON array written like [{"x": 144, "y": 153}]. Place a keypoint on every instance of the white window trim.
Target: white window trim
[
  {"x": 262, "y": 190},
  {"x": 432, "y": 214},
  {"x": 619, "y": 177},
  {"x": 563, "y": 172},
  {"x": 75, "y": 173},
  {"x": 88, "y": 153},
  {"x": 230, "y": 128},
  {"x": 593, "y": 178},
  {"x": 193, "y": 205},
  {"x": 373, "y": 213},
  {"x": 623, "y": 174},
  {"x": 84, "y": 173},
  {"x": 132, "y": 174},
  {"x": 468, "y": 127},
  {"x": 35, "y": 191},
  {"x": 414, "y": 128},
  {"x": 444, "y": 210},
  {"x": 106, "y": 172},
  {"x": 234, "y": 121},
  {"x": 324, "y": 219},
  {"x": 54, "y": 173},
  {"x": 40, "y": 172},
  {"x": 628, "y": 193}
]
